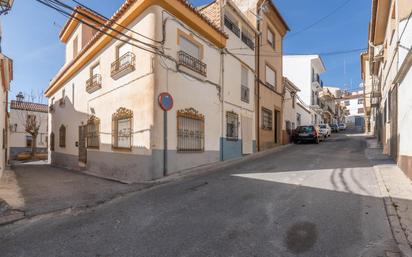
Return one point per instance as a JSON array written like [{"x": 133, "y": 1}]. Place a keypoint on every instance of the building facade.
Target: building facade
[
  {"x": 21, "y": 113},
  {"x": 290, "y": 110},
  {"x": 354, "y": 103},
  {"x": 105, "y": 118},
  {"x": 269, "y": 66},
  {"x": 386, "y": 70},
  {"x": 238, "y": 109},
  {"x": 6, "y": 76},
  {"x": 304, "y": 71}
]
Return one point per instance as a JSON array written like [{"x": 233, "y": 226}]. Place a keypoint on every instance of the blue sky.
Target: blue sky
[{"x": 30, "y": 38}]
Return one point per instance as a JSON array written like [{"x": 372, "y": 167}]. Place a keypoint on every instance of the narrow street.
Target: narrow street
[{"x": 307, "y": 200}]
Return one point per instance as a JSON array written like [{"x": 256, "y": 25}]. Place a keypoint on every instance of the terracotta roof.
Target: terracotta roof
[{"x": 28, "y": 106}]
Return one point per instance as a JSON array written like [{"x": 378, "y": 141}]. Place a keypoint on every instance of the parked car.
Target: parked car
[
  {"x": 342, "y": 126},
  {"x": 325, "y": 130},
  {"x": 334, "y": 127},
  {"x": 309, "y": 133}
]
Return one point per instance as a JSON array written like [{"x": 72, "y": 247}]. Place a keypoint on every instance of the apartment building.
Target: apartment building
[
  {"x": 354, "y": 103},
  {"x": 272, "y": 29},
  {"x": 25, "y": 114},
  {"x": 304, "y": 71},
  {"x": 386, "y": 70},
  {"x": 238, "y": 98},
  {"x": 105, "y": 118},
  {"x": 6, "y": 76}
]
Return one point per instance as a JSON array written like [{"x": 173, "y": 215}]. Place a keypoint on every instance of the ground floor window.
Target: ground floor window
[
  {"x": 52, "y": 141},
  {"x": 62, "y": 136},
  {"x": 29, "y": 141},
  {"x": 267, "y": 119},
  {"x": 122, "y": 128},
  {"x": 93, "y": 125},
  {"x": 232, "y": 124},
  {"x": 190, "y": 131}
]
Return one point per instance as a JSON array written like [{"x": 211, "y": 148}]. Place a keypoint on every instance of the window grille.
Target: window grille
[
  {"x": 122, "y": 129},
  {"x": 232, "y": 124},
  {"x": 93, "y": 138},
  {"x": 62, "y": 136},
  {"x": 231, "y": 26},
  {"x": 52, "y": 141},
  {"x": 267, "y": 119},
  {"x": 190, "y": 131}
]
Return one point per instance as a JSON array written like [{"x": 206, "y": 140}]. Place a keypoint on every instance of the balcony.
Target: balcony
[
  {"x": 248, "y": 41},
  {"x": 123, "y": 65},
  {"x": 245, "y": 94},
  {"x": 232, "y": 26},
  {"x": 192, "y": 63},
  {"x": 94, "y": 83}
]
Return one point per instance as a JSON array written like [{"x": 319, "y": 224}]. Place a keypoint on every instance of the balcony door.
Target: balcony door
[{"x": 189, "y": 47}]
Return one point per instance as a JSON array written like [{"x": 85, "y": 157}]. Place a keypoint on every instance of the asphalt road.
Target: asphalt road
[{"x": 307, "y": 200}]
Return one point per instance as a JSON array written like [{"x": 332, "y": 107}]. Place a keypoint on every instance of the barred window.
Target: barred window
[
  {"x": 122, "y": 129},
  {"x": 266, "y": 119},
  {"x": 190, "y": 131},
  {"x": 232, "y": 121},
  {"x": 93, "y": 138},
  {"x": 62, "y": 136},
  {"x": 52, "y": 141}
]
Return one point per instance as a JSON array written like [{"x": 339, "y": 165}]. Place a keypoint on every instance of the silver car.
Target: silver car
[{"x": 325, "y": 130}]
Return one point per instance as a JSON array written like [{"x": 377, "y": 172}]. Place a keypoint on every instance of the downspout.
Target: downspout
[
  {"x": 222, "y": 81},
  {"x": 258, "y": 81}
]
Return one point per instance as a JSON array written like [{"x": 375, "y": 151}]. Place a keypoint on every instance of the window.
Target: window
[
  {"x": 75, "y": 47},
  {"x": 360, "y": 110},
  {"x": 29, "y": 141},
  {"x": 62, "y": 136},
  {"x": 248, "y": 39},
  {"x": 122, "y": 129},
  {"x": 4, "y": 139},
  {"x": 271, "y": 38},
  {"x": 190, "y": 131},
  {"x": 293, "y": 95},
  {"x": 347, "y": 103},
  {"x": 270, "y": 77},
  {"x": 360, "y": 101},
  {"x": 52, "y": 141},
  {"x": 266, "y": 119},
  {"x": 231, "y": 25},
  {"x": 288, "y": 126},
  {"x": 93, "y": 125},
  {"x": 298, "y": 119},
  {"x": 244, "y": 84},
  {"x": 189, "y": 47},
  {"x": 123, "y": 49},
  {"x": 125, "y": 61},
  {"x": 232, "y": 121}
]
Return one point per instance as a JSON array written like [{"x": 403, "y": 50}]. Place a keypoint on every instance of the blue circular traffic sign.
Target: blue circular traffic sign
[{"x": 165, "y": 101}]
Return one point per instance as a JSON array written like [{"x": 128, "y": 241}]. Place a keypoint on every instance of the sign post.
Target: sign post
[{"x": 166, "y": 103}]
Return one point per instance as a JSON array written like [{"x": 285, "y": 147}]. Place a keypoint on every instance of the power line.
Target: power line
[
  {"x": 323, "y": 54},
  {"x": 320, "y": 20},
  {"x": 123, "y": 27}
]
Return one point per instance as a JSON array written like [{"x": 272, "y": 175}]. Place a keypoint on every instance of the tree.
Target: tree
[{"x": 32, "y": 127}]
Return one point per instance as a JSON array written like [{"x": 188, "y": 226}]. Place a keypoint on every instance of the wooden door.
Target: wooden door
[{"x": 247, "y": 135}]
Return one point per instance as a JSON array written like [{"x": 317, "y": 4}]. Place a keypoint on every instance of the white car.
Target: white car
[
  {"x": 325, "y": 130},
  {"x": 342, "y": 126}
]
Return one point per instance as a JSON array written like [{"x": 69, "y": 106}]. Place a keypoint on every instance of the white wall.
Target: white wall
[{"x": 18, "y": 137}]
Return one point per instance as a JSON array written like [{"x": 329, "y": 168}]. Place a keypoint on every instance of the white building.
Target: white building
[
  {"x": 291, "y": 109},
  {"x": 304, "y": 71},
  {"x": 6, "y": 76},
  {"x": 19, "y": 140},
  {"x": 354, "y": 103},
  {"x": 238, "y": 112}
]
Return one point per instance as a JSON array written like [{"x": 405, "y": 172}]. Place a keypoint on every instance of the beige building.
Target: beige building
[
  {"x": 386, "y": 70},
  {"x": 6, "y": 76},
  {"x": 20, "y": 112},
  {"x": 270, "y": 88},
  {"x": 105, "y": 117}
]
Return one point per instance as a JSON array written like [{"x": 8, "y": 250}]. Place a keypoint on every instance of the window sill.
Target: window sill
[{"x": 121, "y": 149}]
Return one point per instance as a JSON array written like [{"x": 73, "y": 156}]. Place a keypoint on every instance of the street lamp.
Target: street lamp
[{"x": 5, "y": 6}]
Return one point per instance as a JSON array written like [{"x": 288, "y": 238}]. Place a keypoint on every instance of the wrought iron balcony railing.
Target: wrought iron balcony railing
[
  {"x": 245, "y": 94},
  {"x": 232, "y": 26},
  {"x": 248, "y": 41},
  {"x": 94, "y": 83},
  {"x": 192, "y": 63},
  {"x": 124, "y": 64}
]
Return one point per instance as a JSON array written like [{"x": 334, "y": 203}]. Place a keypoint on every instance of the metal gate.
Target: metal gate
[{"x": 82, "y": 144}]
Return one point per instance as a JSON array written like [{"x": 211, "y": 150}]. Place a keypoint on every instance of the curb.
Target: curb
[
  {"x": 216, "y": 166},
  {"x": 393, "y": 217}
]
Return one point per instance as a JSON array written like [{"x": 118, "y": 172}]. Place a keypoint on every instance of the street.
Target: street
[{"x": 306, "y": 200}]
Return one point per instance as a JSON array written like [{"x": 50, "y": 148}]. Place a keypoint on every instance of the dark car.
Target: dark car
[
  {"x": 334, "y": 127},
  {"x": 308, "y": 133}
]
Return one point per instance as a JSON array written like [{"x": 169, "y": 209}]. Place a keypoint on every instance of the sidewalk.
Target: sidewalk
[
  {"x": 396, "y": 188},
  {"x": 11, "y": 200}
]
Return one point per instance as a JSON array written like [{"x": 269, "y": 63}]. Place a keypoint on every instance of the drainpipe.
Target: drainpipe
[
  {"x": 258, "y": 81},
  {"x": 222, "y": 82}
]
